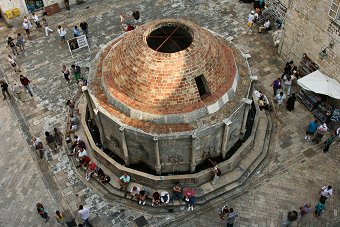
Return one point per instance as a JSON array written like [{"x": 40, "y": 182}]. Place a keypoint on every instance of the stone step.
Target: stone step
[{"x": 229, "y": 183}]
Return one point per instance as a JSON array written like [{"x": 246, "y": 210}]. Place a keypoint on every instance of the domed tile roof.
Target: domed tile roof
[{"x": 169, "y": 66}]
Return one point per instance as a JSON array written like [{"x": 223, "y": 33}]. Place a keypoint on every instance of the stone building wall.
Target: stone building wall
[
  {"x": 309, "y": 29},
  {"x": 175, "y": 149},
  {"x": 6, "y": 5}
]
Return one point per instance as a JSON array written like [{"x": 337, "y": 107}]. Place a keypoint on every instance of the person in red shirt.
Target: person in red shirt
[
  {"x": 90, "y": 170},
  {"x": 128, "y": 28},
  {"x": 26, "y": 83}
]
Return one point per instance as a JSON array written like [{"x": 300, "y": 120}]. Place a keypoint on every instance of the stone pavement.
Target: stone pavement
[
  {"x": 22, "y": 185},
  {"x": 292, "y": 177}
]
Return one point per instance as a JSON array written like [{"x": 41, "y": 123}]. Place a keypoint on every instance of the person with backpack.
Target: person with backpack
[{"x": 75, "y": 70}]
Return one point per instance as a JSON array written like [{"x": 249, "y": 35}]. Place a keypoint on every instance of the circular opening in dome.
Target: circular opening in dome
[{"x": 169, "y": 38}]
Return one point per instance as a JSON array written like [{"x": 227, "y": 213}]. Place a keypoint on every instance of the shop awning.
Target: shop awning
[{"x": 321, "y": 84}]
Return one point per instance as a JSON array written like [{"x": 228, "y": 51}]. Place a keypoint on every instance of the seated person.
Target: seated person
[
  {"x": 177, "y": 192},
  {"x": 75, "y": 142},
  {"x": 262, "y": 103},
  {"x": 72, "y": 128},
  {"x": 84, "y": 161},
  {"x": 74, "y": 119},
  {"x": 156, "y": 199},
  {"x": 99, "y": 172},
  {"x": 190, "y": 199},
  {"x": 105, "y": 178},
  {"x": 81, "y": 152},
  {"x": 266, "y": 26},
  {"x": 72, "y": 107},
  {"x": 165, "y": 197},
  {"x": 90, "y": 170},
  {"x": 134, "y": 192},
  {"x": 142, "y": 197}
]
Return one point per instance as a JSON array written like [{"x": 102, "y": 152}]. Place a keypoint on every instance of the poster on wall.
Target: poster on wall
[
  {"x": 77, "y": 43},
  {"x": 34, "y": 5}
]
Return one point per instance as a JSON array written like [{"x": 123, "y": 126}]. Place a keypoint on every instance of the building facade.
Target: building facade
[
  {"x": 312, "y": 29},
  {"x": 27, "y": 7}
]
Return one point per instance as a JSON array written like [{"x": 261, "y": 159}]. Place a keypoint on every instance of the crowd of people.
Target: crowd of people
[{"x": 292, "y": 216}]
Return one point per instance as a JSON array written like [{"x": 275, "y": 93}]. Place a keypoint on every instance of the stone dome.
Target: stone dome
[{"x": 167, "y": 67}]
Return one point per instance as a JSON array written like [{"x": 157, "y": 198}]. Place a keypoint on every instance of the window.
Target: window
[
  {"x": 202, "y": 87},
  {"x": 334, "y": 10}
]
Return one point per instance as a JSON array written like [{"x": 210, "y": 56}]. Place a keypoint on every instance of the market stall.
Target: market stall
[{"x": 321, "y": 95}]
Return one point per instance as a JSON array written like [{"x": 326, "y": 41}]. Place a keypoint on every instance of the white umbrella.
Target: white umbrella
[{"x": 321, "y": 84}]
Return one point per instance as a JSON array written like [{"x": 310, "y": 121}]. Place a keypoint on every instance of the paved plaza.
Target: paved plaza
[{"x": 292, "y": 176}]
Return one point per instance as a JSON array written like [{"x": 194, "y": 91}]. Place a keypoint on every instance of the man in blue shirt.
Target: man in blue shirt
[
  {"x": 76, "y": 31},
  {"x": 312, "y": 127}
]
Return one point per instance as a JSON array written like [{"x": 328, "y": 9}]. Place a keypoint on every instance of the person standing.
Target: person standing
[
  {"x": 291, "y": 217},
  {"x": 124, "y": 181},
  {"x": 60, "y": 217},
  {"x": 18, "y": 92},
  {"x": 84, "y": 27},
  {"x": 26, "y": 83},
  {"x": 36, "y": 21},
  {"x": 43, "y": 213},
  {"x": 320, "y": 132},
  {"x": 136, "y": 17},
  {"x": 66, "y": 73},
  {"x": 11, "y": 44},
  {"x": 288, "y": 80},
  {"x": 62, "y": 34},
  {"x": 4, "y": 89},
  {"x": 325, "y": 193},
  {"x": 251, "y": 19},
  {"x": 47, "y": 29},
  {"x": 279, "y": 99},
  {"x": 58, "y": 137},
  {"x": 328, "y": 143},
  {"x": 231, "y": 217},
  {"x": 319, "y": 208},
  {"x": 276, "y": 85},
  {"x": 76, "y": 72},
  {"x": 224, "y": 212},
  {"x": 67, "y": 4},
  {"x": 20, "y": 42},
  {"x": 27, "y": 26},
  {"x": 291, "y": 103},
  {"x": 312, "y": 127},
  {"x": 51, "y": 142},
  {"x": 217, "y": 174},
  {"x": 84, "y": 213},
  {"x": 76, "y": 31},
  {"x": 13, "y": 63}
]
